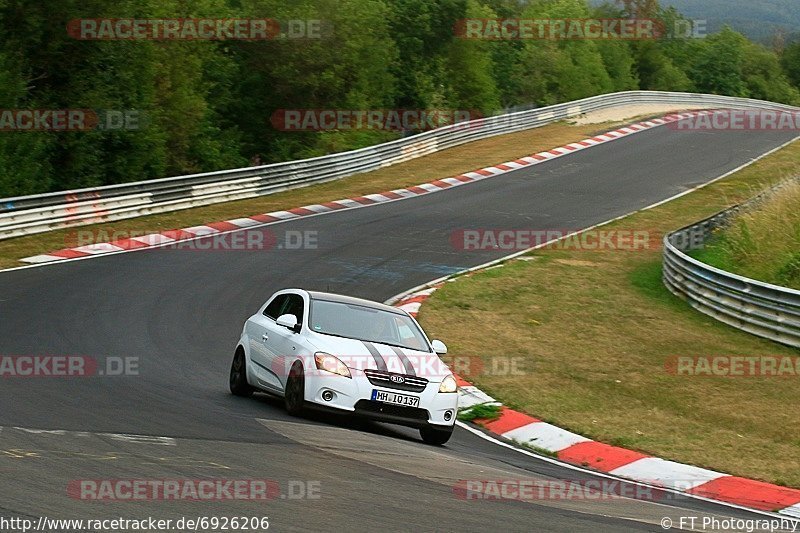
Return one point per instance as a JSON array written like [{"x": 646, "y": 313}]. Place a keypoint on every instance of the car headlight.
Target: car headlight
[
  {"x": 448, "y": 384},
  {"x": 332, "y": 364}
]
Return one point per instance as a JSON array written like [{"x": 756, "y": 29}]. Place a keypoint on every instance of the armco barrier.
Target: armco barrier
[
  {"x": 38, "y": 213},
  {"x": 753, "y": 306}
]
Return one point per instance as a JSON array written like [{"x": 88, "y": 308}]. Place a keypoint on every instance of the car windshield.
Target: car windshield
[{"x": 366, "y": 324}]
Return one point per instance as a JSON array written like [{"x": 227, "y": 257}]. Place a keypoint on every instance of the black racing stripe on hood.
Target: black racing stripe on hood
[
  {"x": 406, "y": 362},
  {"x": 376, "y": 355}
]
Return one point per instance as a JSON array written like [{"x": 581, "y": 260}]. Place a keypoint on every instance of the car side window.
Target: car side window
[
  {"x": 294, "y": 306},
  {"x": 274, "y": 308}
]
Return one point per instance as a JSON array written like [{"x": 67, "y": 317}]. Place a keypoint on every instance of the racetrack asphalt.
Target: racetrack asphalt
[{"x": 180, "y": 313}]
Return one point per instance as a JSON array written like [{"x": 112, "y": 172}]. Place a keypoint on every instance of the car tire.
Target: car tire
[
  {"x": 435, "y": 436},
  {"x": 294, "y": 395},
  {"x": 238, "y": 378}
]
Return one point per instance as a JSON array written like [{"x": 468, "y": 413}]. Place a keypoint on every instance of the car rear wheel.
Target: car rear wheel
[
  {"x": 238, "y": 379},
  {"x": 435, "y": 436},
  {"x": 294, "y": 395}
]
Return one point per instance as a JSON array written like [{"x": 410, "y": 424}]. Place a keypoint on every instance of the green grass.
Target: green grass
[
  {"x": 596, "y": 329},
  {"x": 762, "y": 242},
  {"x": 481, "y": 411}
]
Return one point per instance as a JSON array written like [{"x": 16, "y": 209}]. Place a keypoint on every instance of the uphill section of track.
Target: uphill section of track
[{"x": 180, "y": 312}]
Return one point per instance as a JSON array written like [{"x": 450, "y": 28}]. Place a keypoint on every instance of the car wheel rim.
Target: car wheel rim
[
  {"x": 236, "y": 370},
  {"x": 295, "y": 392}
]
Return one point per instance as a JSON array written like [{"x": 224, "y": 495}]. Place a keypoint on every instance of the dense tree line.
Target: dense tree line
[{"x": 207, "y": 104}]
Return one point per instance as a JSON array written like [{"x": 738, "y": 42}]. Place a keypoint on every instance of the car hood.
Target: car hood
[{"x": 359, "y": 355}]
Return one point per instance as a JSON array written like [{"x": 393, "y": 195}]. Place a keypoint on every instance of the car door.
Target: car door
[
  {"x": 259, "y": 328},
  {"x": 284, "y": 344}
]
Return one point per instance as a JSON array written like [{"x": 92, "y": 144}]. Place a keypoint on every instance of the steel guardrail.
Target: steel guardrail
[
  {"x": 759, "y": 308},
  {"x": 26, "y": 215}
]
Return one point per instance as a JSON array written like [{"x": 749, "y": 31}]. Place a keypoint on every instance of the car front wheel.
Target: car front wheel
[
  {"x": 435, "y": 436},
  {"x": 294, "y": 395},
  {"x": 238, "y": 379}
]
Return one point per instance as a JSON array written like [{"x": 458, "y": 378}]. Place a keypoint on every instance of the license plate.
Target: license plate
[{"x": 394, "y": 398}]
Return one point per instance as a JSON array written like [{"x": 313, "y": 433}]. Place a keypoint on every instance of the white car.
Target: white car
[{"x": 329, "y": 351}]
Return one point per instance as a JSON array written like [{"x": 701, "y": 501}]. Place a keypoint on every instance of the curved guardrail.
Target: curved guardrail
[
  {"x": 753, "y": 306},
  {"x": 44, "y": 212}
]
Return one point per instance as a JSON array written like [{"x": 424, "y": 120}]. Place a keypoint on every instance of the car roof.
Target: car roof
[{"x": 340, "y": 298}]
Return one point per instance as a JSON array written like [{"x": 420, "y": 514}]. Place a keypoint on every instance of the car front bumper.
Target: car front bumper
[{"x": 353, "y": 395}]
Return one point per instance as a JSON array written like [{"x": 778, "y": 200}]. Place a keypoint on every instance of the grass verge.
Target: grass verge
[
  {"x": 595, "y": 330},
  {"x": 482, "y": 411},
  {"x": 449, "y": 162},
  {"x": 763, "y": 242}
]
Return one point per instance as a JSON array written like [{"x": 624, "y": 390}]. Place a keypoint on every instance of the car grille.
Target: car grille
[
  {"x": 400, "y": 411},
  {"x": 384, "y": 379}
]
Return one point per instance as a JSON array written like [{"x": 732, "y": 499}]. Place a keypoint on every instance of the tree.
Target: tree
[
  {"x": 640, "y": 8},
  {"x": 718, "y": 67},
  {"x": 423, "y": 32},
  {"x": 764, "y": 78},
  {"x": 657, "y": 72},
  {"x": 470, "y": 84},
  {"x": 790, "y": 62},
  {"x": 620, "y": 65},
  {"x": 24, "y": 156},
  {"x": 207, "y": 105}
]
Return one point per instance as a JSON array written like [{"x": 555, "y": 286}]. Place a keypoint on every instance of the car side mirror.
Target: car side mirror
[
  {"x": 439, "y": 347},
  {"x": 289, "y": 321}
]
